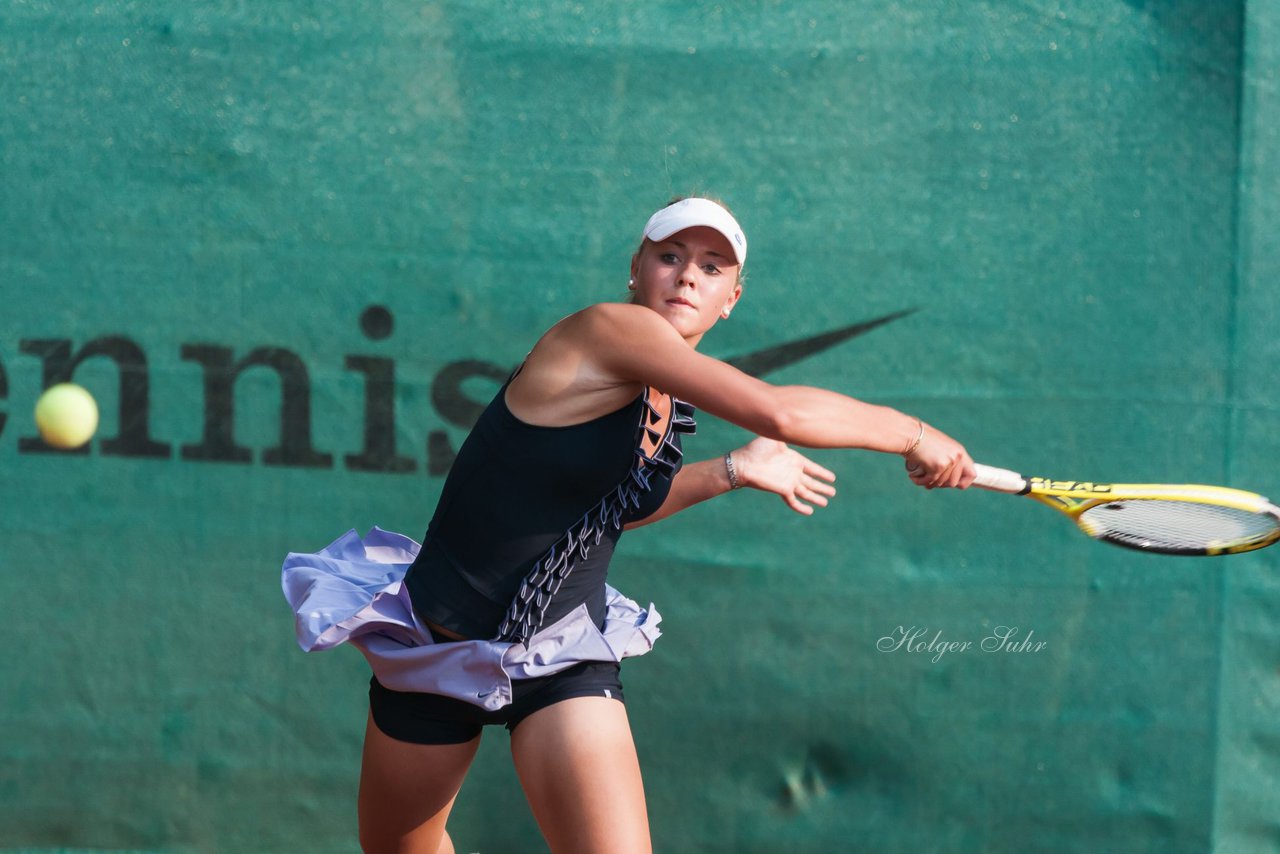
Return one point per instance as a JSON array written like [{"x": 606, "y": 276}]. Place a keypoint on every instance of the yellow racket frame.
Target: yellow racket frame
[{"x": 1072, "y": 498}]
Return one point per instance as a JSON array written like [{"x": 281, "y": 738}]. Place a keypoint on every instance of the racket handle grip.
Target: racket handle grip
[{"x": 999, "y": 480}]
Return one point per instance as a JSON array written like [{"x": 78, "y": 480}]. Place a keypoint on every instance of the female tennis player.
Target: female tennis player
[{"x": 503, "y": 616}]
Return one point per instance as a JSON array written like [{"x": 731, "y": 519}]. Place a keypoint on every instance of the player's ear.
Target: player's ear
[{"x": 734, "y": 296}]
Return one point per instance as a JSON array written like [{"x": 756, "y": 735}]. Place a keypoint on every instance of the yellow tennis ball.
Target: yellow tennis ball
[{"x": 66, "y": 415}]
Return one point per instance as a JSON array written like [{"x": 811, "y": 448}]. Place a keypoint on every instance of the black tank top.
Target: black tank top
[{"x": 529, "y": 516}]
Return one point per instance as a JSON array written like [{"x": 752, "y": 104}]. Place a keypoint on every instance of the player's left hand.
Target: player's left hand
[{"x": 771, "y": 466}]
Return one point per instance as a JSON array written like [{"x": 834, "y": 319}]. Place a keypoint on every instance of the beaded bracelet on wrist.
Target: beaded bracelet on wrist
[{"x": 732, "y": 472}]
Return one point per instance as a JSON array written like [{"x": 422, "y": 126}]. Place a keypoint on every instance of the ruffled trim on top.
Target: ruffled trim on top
[{"x": 529, "y": 606}]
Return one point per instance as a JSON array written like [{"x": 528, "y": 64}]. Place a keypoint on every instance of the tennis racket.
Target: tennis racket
[{"x": 1174, "y": 519}]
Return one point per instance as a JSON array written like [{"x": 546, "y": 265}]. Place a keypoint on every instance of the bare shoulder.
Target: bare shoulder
[
  {"x": 613, "y": 318},
  {"x": 595, "y": 360},
  {"x": 600, "y": 324},
  {"x": 564, "y": 380},
  {"x": 598, "y": 332}
]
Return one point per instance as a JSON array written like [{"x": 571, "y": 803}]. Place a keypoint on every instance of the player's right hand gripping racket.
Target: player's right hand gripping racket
[{"x": 1175, "y": 519}]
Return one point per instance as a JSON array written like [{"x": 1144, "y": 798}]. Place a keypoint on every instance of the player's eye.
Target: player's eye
[
  {"x": 710, "y": 269},
  {"x": 669, "y": 258}
]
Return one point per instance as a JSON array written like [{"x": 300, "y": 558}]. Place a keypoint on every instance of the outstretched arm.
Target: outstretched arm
[
  {"x": 764, "y": 464},
  {"x": 632, "y": 342}
]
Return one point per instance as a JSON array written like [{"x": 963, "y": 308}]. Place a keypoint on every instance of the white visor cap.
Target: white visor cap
[{"x": 688, "y": 213}]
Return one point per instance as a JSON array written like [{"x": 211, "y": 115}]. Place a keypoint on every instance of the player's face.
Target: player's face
[{"x": 691, "y": 279}]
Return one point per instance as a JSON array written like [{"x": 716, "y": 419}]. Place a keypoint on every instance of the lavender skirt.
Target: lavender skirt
[{"x": 353, "y": 590}]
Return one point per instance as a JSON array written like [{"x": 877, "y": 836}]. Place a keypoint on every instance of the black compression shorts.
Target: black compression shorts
[{"x": 434, "y": 719}]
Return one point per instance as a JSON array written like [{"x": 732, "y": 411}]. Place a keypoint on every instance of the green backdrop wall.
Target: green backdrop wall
[{"x": 1067, "y": 212}]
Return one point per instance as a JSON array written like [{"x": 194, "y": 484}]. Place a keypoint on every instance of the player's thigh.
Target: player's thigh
[
  {"x": 407, "y": 790},
  {"x": 578, "y": 766}
]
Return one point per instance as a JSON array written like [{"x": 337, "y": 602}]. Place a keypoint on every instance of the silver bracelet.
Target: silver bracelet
[{"x": 733, "y": 473}]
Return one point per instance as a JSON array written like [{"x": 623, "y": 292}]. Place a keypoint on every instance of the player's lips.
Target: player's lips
[{"x": 680, "y": 301}]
